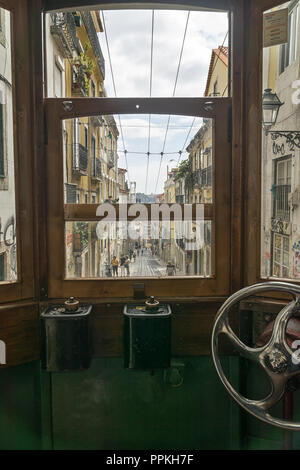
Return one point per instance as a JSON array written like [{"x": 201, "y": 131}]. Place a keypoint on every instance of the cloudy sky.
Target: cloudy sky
[{"x": 129, "y": 38}]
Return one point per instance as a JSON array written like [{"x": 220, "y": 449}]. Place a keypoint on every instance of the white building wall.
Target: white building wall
[{"x": 7, "y": 183}]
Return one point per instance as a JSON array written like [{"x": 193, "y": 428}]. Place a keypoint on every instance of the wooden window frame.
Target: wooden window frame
[
  {"x": 236, "y": 9},
  {"x": 59, "y": 213},
  {"x": 23, "y": 288}
]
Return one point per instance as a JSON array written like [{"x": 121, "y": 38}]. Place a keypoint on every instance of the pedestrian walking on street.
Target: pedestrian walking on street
[
  {"x": 134, "y": 256},
  {"x": 170, "y": 270},
  {"x": 122, "y": 265},
  {"x": 115, "y": 265},
  {"x": 126, "y": 264}
]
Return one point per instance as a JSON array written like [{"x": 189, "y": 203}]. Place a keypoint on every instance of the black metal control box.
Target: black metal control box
[
  {"x": 66, "y": 338},
  {"x": 147, "y": 337}
]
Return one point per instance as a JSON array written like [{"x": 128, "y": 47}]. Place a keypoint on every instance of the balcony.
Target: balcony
[
  {"x": 80, "y": 158},
  {"x": 97, "y": 121},
  {"x": 63, "y": 29},
  {"x": 70, "y": 193},
  {"x": 92, "y": 34},
  {"x": 281, "y": 208},
  {"x": 96, "y": 169},
  {"x": 80, "y": 85},
  {"x": 206, "y": 176},
  {"x": 196, "y": 178},
  {"x": 111, "y": 158}
]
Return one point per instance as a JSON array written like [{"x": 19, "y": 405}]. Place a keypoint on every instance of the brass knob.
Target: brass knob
[
  {"x": 71, "y": 304},
  {"x": 152, "y": 303}
]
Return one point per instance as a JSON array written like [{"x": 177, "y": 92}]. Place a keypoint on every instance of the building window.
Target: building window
[
  {"x": 216, "y": 88},
  {"x": 289, "y": 50},
  {"x": 93, "y": 156},
  {"x": 282, "y": 189},
  {"x": 58, "y": 77},
  {"x": 2, "y": 28},
  {"x": 281, "y": 256},
  {"x": 86, "y": 139}
]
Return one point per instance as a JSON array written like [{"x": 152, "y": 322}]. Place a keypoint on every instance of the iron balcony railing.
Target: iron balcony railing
[
  {"x": 80, "y": 158},
  {"x": 111, "y": 158},
  {"x": 96, "y": 169},
  {"x": 63, "y": 28},
  {"x": 71, "y": 191},
  {"x": 206, "y": 176},
  {"x": 281, "y": 201},
  {"x": 93, "y": 37}
]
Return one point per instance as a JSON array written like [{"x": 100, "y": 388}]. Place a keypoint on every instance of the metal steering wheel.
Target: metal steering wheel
[{"x": 275, "y": 357}]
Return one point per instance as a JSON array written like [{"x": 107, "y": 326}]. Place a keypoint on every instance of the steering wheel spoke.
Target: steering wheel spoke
[
  {"x": 252, "y": 354},
  {"x": 278, "y": 388}
]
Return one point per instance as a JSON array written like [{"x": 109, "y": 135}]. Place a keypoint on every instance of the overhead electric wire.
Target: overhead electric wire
[
  {"x": 218, "y": 56},
  {"x": 174, "y": 91},
  {"x": 115, "y": 91},
  {"x": 150, "y": 94},
  {"x": 224, "y": 90},
  {"x": 150, "y": 153},
  {"x": 187, "y": 137}
]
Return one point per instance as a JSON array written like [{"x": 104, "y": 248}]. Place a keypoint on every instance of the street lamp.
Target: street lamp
[{"x": 270, "y": 108}]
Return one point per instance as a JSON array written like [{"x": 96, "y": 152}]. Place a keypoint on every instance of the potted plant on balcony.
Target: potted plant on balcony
[{"x": 85, "y": 66}]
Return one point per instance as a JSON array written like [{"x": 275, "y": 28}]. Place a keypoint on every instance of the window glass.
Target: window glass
[
  {"x": 130, "y": 53},
  {"x": 167, "y": 160},
  {"x": 142, "y": 255},
  {"x": 8, "y": 247},
  {"x": 139, "y": 158},
  {"x": 281, "y": 156}
]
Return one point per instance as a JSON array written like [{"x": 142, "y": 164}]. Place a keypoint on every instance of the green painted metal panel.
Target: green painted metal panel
[
  {"x": 109, "y": 407},
  {"x": 20, "y": 420}
]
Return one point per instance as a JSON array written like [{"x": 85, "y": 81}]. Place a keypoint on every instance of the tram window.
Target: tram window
[
  {"x": 110, "y": 53},
  {"x": 105, "y": 173},
  {"x": 110, "y": 159},
  {"x": 280, "y": 253},
  {"x": 8, "y": 247}
]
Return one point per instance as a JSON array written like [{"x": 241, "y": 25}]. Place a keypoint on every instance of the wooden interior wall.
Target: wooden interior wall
[{"x": 19, "y": 329}]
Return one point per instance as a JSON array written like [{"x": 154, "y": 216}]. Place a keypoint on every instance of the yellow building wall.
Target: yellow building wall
[{"x": 220, "y": 74}]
